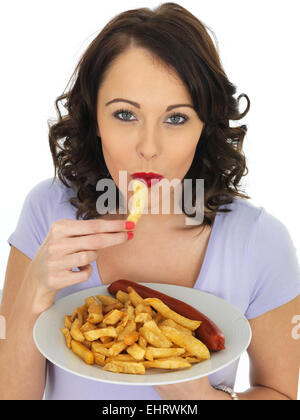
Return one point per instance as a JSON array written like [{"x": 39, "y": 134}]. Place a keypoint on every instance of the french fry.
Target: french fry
[
  {"x": 158, "y": 353},
  {"x": 131, "y": 338},
  {"x": 149, "y": 354},
  {"x": 163, "y": 340},
  {"x": 191, "y": 359},
  {"x": 84, "y": 311},
  {"x": 194, "y": 346},
  {"x": 124, "y": 321},
  {"x": 91, "y": 306},
  {"x": 121, "y": 357},
  {"x": 119, "y": 366},
  {"x": 87, "y": 344},
  {"x": 113, "y": 317},
  {"x": 99, "y": 348},
  {"x": 116, "y": 348},
  {"x": 153, "y": 338},
  {"x": 134, "y": 297},
  {"x": 66, "y": 333},
  {"x": 158, "y": 318},
  {"x": 108, "y": 308},
  {"x": 170, "y": 363},
  {"x": 95, "y": 318},
  {"x": 75, "y": 330},
  {"x": 90, "y": 300},
  {"x": 95, "y": 314},
  {"x": 85, "y": 354},
  {"x": 130, "y": 327},
  {"x": 93, "y": 335},
  {"x": 68, "y": 322},
  {"x": 95, "y": 308},
  {"x": 122, "y": 296},
  {"x": 87, "y": 326},
  {"x": 168, "y": 313},
  {"x": 107, "y": 300},
  {"x": 119, "y": 329},
  {"x": 142, "y": 342},
  {"x": 107, "y": 342},
  {"x": 99, "y": 359},
  {"x": 144, "y": 308},
  {"x": 142, "y": 317},
  {"x": 136, "y": 351},
  {"x": 131, "y": 312},
  {"x": 171, "y": 323},
  {"x": 140, "y": 192},
  {"x": 77, "y": 314}
]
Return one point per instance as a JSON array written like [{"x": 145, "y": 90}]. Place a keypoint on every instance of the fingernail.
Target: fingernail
[
  {"x": 130, "y": 235},
  {"x": 129, "y": 225}
]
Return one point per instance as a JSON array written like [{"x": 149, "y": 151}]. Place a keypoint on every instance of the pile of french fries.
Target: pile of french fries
[{"x": 129, "y": 334}]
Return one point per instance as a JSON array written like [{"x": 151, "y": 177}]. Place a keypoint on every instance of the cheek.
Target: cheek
[
  {"x": 114, "y": 145},
  {"x": 181, "y": 154}
]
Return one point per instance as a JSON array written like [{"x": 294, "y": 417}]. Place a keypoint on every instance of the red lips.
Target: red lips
[{"x": 151, "y": 178}]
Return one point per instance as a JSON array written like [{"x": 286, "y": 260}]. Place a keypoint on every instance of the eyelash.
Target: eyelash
[{"x": 119, "y": 111}]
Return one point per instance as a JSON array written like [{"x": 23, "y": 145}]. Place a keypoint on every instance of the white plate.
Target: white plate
[{"x": 51, "y": 342}]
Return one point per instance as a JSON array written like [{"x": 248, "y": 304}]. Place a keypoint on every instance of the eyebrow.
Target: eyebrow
[{"x": 169, "y": 108}]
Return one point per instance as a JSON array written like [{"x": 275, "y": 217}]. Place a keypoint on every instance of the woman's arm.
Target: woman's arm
[
  {"x": 274, "y": 362},
  {"x": 30, "y": 289},
  {"x": 22, "y": 366},
  {"x": 274, "y": 355}
]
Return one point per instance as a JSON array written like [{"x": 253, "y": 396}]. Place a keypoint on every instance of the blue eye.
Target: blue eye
[
  {"x": 122, "y": 111},
  {"x": 129, "y": 113},
  {"x": 185, "y": 118}
]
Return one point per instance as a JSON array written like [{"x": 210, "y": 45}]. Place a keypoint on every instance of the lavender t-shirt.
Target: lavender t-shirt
[{"x": 250, "y": 262}]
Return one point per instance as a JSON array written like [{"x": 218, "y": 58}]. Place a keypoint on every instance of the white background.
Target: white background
[{"x": 258, "y": 43}]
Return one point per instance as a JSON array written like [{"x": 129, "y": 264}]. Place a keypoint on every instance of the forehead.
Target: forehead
[{"x": 138, "y": 75}]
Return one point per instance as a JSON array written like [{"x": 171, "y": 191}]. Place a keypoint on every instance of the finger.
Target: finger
[
  {"x": 69, "y": 227},
  {"x": 75, "y": 277},
  {"x": 79, "y": 259},
  {"x": 88, "y": 242}
]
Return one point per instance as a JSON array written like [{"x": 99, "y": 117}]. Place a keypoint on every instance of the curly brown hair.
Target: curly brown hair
[{"x": 177, "y": 38}]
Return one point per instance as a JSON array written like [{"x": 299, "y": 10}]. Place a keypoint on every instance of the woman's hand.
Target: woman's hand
[
  {"x": 199, "y": 389},
  {"x": 70, "y": 243}
]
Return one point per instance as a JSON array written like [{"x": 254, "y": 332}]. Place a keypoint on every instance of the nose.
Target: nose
[
  {"x": 148, "y": 148},
  {"x": 147, "y": 156}
]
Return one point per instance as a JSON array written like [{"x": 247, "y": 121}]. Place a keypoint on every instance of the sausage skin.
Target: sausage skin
[{"x": 208, "y": 332}]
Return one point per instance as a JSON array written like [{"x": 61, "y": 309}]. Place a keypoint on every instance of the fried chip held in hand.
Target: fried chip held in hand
[{"x": 140, "y": 191}]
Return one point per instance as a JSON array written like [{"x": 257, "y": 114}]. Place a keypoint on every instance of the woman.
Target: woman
[{"x": 142, "y": 63}]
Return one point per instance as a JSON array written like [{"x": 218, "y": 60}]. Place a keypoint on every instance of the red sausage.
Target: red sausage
[{"x": 208, "y": 332}]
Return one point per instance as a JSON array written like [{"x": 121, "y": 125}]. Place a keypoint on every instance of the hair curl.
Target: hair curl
[{"x": 177, "y": 38}]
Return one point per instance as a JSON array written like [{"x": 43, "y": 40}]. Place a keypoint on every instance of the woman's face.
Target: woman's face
[{"x": 146, "y": 137}]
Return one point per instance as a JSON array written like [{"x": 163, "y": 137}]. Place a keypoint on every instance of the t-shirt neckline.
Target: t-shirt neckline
[
  {"x": 208, "y": 252},
  {"x": 204, "y": 265}
]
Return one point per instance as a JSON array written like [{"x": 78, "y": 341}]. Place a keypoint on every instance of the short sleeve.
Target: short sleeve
[
  {"x": 273, "y": 266},
  {"x": 32, "y": 226}
]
